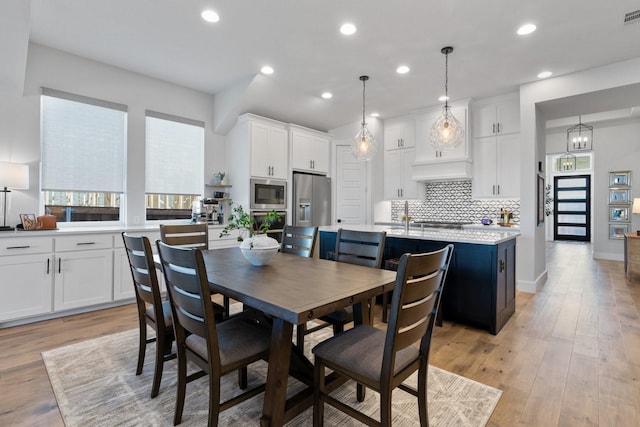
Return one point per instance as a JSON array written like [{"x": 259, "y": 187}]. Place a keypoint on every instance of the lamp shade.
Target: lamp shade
[
  {"x": 14, "y": 176},
  {"x": 636, "y": 206}
]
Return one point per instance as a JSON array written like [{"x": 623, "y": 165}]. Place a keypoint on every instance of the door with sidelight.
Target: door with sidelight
[{"x": 572, "y": 208}]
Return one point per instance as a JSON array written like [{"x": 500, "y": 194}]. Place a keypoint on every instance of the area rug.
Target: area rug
[{"x": 95, "y": 385}]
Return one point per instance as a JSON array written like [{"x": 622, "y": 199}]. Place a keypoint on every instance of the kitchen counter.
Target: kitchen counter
[
  {"x": 94, "y": 229},
  {"x": 488, "y": 235}
]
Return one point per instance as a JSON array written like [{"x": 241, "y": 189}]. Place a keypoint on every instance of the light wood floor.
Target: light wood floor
[{"x": 570, "y": 356}]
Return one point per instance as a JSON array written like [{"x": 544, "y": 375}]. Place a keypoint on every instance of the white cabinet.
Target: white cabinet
[
  {"x": 269, "y": 151},
  {"x": 425, "y": 152},
  {"x": 309, "y": 152},
  {"x": 397, "y": 175},
  {"x": 228, "y": 241},
  {"x": 25, "y": 277},
  {"x": 497, "y": 117},
  {"x": 496, "y": 167},
  {"x": 83, "y": 271},
  {"x": 122, "y": 281},
  {"x": 399, "y": 133}
]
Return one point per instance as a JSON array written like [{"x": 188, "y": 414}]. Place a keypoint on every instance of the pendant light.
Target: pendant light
[
  {"x": 580, "y": 137},
  {"x": 364, "y": 146},
  {"x": 447, "y": 132}
]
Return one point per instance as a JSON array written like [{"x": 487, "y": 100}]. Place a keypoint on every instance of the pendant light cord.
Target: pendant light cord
[{"x": 363, "y": 85}]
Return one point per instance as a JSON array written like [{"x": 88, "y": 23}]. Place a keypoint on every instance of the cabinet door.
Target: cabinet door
[
  {"x": 320, "y": 150},
  {"x": 393, "y": 137},
  {"x": 392, "y": 174},
  {"x": 484, "y": 120},
  {"x": 301, "y": 151},
  {"x": 508, "y": 116},
  {"x": 484, "y": 167},
  {"x": 409, "y": 187},
  {"x": 122, "y": 281},
  {"x": 260, "y": 151},
  {"x": 278, "y": 153},
  {"x": 508, "y": 171},
  {"x": 83, "y": 278},
  {"x": 25, "y": 285}
]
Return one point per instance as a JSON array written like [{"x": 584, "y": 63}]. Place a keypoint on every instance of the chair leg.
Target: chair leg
[
  {"x": 157, "y": 373},
  {"x": 337, "y": 328},
  {"x": 385, "y": 408},
  {"x": 423, "y": 410},
  {"x": 318, "y": 404},
  {"x": 182, "y": 386},
  {"x": 142, "y": 345},
  {"x": 385, "y": 303},
  {"x": 301, "y": 331},
  {"x": 214, "y": 399},
  {"x": 226, "y": 303},
  {"x": 361, "y": 392},
  {"x": 242, "y": 378}
]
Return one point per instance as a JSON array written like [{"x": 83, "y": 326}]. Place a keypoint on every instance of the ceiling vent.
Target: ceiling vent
[{"x": 632, "y": 17}]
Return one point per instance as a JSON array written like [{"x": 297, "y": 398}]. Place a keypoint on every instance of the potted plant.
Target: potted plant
[{"x": 258, "y": 248}]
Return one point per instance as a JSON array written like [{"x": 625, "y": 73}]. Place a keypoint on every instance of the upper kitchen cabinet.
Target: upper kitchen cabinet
[
  {"x": 309, "y": 150},
  {"x": 498, "y": 116},
  {"x": 398, "y": 184},
  {"x": 425, "y": 151},
  {"x": 399, "y": 133}
]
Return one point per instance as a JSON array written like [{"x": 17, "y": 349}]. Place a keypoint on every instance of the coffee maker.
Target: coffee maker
[{"x": 198, "y": 212}]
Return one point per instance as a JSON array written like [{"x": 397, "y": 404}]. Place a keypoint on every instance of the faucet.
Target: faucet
[{"x": 406, "y": 216}]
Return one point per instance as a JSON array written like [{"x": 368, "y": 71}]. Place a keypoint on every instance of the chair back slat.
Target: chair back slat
[
  {"x": 360, "y": 247},
  {"x": 416, "y": 296},
  {"x": 299, "y": 241},
  {"x": 185, "y": 235}
]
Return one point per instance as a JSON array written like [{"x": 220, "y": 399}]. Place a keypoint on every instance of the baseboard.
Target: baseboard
[
  {"x": 532, "y": 287},
  {"x": 608, "y": 256}
]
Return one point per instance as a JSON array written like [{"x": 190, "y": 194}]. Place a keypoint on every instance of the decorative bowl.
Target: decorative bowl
[
  {"x": 259, "y": 250},
  {"x": 486, "y": 221}
]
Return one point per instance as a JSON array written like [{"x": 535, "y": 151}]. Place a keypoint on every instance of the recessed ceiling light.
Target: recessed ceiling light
[
  {"x": 544, "y": 74},
  {"x": 210, "y": 16},
  {"x": 403, "y": 69},
  {"x": 375, "y": 114},
  {"x": 348, "y": 29},
  {"x": 526, "y": 29},
  {"x": 443, "y": 98},
  {"x": 266, "y": 70},
  {"x": 327, "y": 95}
]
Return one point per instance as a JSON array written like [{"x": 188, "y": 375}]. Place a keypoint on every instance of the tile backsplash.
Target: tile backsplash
[{"x": 451, "y": 201}]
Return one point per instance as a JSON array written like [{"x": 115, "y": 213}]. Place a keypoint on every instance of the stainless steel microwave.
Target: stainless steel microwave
[{"x": 268, "y": 194}]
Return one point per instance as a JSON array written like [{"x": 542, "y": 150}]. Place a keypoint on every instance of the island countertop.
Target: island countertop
[{"x": 474, "y": 236}]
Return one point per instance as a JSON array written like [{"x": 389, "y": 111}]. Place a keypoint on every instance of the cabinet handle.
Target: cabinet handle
[
  {"x": 48, "y": 262},
  {"x": 59, "y": 265},
  {"x": 494, "y": 189},
  {"x": 498, "y": 188},
  {"x": 313, "y": 164},
  {"x": 498, "y": 128},
  {"x": 85, "y": 243},
  {"x": 398, "y": 192},
  {"x": 501, "y": 266},
  {"x": 19, "y": 247},
  {"x": 402, "y": 142}
]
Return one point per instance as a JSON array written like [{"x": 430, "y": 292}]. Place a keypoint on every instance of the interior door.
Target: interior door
[
  {"x": 351, "y": 188},
  {"x": 572, "y": 208}
]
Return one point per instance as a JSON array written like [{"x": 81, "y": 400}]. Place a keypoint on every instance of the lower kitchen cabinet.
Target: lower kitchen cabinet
[
  {"x": 122, "y": 281},
  {"x": 82, "y": 278},
  {"x": 25, "y": 287}
]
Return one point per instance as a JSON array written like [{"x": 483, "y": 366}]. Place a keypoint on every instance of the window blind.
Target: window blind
[
  {"x": 83, "y": 143},
  {"x": 174, "y": 159}
]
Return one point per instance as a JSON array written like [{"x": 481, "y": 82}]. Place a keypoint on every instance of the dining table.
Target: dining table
[{"x": 292, "y": 290}]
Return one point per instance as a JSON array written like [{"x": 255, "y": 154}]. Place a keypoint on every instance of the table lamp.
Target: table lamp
[
  {"x": 636, "y": 210},
  {"x": 13, "y": 176}
]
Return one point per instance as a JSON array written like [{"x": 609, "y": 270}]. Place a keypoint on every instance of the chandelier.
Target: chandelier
[
  {"x": 580, "y": 137},
  {"x": 363, "y": 146},
  {"x": 447, "y": 132}
]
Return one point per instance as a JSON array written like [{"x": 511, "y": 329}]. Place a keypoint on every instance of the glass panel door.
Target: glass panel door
[{"x": 572, "y": 208}]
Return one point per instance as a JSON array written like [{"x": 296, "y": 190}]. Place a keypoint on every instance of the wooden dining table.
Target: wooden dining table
[{"x": 292, "y": 290}]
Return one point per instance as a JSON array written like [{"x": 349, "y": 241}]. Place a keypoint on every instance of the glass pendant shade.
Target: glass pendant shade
[
  {"x": 447, "y": 132},
  {"x": 364, "y": 146}
]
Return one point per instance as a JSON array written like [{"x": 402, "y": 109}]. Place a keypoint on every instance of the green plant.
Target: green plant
[{"x": 241, "y": 220}]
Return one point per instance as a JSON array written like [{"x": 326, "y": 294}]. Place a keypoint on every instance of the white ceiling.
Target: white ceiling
[{"x": 168, "y": 40}]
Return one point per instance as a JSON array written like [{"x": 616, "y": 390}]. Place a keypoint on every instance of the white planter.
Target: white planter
[{"x": 259, "y": 250}]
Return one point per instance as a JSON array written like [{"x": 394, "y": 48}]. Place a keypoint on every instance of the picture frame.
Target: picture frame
[
  {"x": 29, "y": 221},
  {"x": 619, "y": 213},
  {"x": 620, "y": 179},
  {"x": 619, "y": 196},
  {"x": 616, "y": 231},
  {"x": 540, "y": 197}
]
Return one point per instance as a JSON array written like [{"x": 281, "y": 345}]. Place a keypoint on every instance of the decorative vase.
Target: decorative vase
[{"x": 260, "y": 249}]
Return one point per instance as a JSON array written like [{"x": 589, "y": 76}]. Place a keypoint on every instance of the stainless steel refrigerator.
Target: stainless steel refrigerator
[{"x": 311, "y": 200}]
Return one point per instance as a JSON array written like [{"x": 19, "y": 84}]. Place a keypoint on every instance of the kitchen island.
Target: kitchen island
[{"x": 481, "y": 282}]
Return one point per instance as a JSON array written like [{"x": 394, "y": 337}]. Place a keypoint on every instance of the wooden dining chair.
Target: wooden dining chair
[
  {"x": 299, "y": 241},
  {"x": 152, "y": 310},
  {"x": 191, "y": 236},
  {"x": 383, "y": 360},
  {"x": 216, "y": 348}
]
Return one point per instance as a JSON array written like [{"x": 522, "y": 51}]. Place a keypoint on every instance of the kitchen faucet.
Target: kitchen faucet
[{"x": 406, "y": 216}]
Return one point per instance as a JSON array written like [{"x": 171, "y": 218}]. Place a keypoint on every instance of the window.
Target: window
[
  {"x": 83, "y": 144},
  {"x": 174, "y": 171}
]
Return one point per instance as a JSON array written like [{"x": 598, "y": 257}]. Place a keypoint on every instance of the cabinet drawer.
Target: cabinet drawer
[
  {"x": 84, "y": 242},
  {"x": 26, "y": 245}
]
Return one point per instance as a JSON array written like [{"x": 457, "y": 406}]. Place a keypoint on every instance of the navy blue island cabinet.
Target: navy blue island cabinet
[{"x": 480, "y": 289}]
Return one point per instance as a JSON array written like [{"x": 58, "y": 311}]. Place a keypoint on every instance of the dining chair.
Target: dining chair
[
  {"x": 191, "y": 236},
  {"x": 299, "y": 240},
  {"x": 152, "y": 310},
  {"x": 383, "y": 360},
  {"x": 354, "y": 247},
  {"x": 216, "y": 348}
]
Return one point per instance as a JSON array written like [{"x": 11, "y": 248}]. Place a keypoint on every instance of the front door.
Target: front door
[{"x": 572, "y": 208}]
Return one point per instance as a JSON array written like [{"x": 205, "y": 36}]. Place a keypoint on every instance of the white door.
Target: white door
[{"x": 351, "y": 187}]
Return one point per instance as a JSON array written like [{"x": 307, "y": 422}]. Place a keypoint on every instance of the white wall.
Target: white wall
[{"x": 20, "y": 118}]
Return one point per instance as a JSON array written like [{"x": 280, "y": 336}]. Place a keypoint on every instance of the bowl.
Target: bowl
[
  {"x": 486, "y": 221},
  {"x": 260, "y": 249}
]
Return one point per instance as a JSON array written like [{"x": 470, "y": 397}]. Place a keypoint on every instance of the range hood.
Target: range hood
[{"x": 442, "y": 170}]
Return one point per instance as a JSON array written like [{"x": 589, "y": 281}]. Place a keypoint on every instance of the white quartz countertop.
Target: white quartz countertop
[
  {"x": 93, "y": 229},
  {"x": 487, "y": 235}
]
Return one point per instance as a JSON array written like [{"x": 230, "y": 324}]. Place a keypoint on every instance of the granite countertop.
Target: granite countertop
[{"x": 484, "y": 236}]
